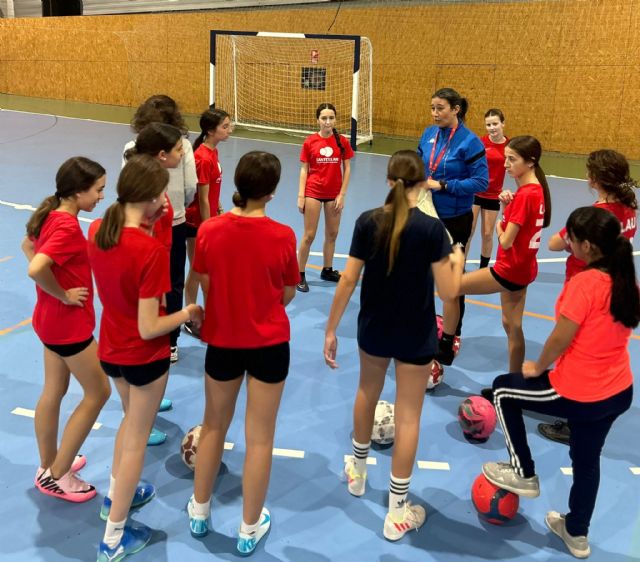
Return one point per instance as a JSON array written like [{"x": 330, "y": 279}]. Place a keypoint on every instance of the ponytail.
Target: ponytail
[
  {"x": 625, "y": 299},
  {"x": 34, "y": 225},
  {"x": 542, "y": 178},
  {"x": 399, "y": 218},
  {"x": 199, "y": 140},
  {"x": 623, "y": 192},
  {"x": 238, "y": 200},
  {"x": 108, "y": 234},
  {"x": 338, "y": 141}
]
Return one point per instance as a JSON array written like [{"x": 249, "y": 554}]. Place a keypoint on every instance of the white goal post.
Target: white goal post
[{"x": 276, "y": 81}]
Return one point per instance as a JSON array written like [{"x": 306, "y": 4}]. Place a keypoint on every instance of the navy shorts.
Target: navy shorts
[{"x": 267, "y": 364}]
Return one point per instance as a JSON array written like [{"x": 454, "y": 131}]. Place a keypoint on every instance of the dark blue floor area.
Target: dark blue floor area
[{"x": 314, "y": 518}]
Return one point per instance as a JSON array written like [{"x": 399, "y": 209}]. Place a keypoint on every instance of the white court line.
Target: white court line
[
  {"x": 635, "y": 470},
  {"x": 433, "y": 465},
  {"x": 25, "y": 412},
  {"x": 291, "y": 453},
  {"x": 370, "y": 460},
  {"x": 228, "y": 446},
  {"x": 19, "y": 207},
  {"x": 567, "y": 470}
]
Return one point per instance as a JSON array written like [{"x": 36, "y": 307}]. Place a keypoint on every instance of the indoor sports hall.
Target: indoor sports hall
[{"x": 56, "y": 105}]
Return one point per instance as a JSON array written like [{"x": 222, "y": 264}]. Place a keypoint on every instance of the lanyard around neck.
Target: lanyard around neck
[{"x": 433, "y": 166}]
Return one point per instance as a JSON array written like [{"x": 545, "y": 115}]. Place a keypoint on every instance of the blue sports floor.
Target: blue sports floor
[{"x": 314, "y": 518}]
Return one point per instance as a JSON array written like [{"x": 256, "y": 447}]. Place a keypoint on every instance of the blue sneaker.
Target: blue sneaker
[
  {"x": 165, "y": 405},
  {"x": 247, "y": 543},
  {"x": 198, "y": 524},
  {"x": 156, "y": 437},
  {"x": 144, "y": 494},
  {"x": 133, "y": 540}
]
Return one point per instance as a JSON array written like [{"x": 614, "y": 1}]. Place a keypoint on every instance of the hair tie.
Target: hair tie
[
  {"x": 58, "y": 195},
  {"x": 120, "y": 200}
]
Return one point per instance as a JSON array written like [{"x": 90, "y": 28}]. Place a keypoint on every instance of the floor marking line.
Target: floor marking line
[
  {"x": 10, "y": 329},
  {"x": 433, "y": 465},
  {"x": 370, "y": 460},
  {"x": 6, "y": 258},
  {"x": 291, "y": 453},
  {"x": 635, "y": 470},
  {"x": 567, "y": 470},
  {"x": 228, "y": 446},
  {"x": 27, "y": 413}
]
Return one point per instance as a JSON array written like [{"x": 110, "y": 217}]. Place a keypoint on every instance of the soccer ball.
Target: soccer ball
[
  {"x": 189, "y": 446},
  {"x": 477, "y": 417},
  {"x": 495, "y": 505},
  {"x": 384, "y": 424},
  {"x": 436, "y": 375}
]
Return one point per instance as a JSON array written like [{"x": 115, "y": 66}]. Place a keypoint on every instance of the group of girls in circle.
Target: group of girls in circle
[{"x": 400, "y": 251}]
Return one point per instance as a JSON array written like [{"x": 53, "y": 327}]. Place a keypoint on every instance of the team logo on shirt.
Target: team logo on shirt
[
  {"x": 326, "y": 151},
  {"x": 326, "y": 156}
]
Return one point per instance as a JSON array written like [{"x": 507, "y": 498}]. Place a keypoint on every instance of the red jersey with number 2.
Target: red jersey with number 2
[{"x": 518, "y": 264}]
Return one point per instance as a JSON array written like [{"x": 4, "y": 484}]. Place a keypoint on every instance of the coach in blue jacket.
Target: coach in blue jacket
[{"x": 456, "y": 165}]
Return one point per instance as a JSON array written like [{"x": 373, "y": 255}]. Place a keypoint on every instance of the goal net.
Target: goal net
[{"x": 276, "y": 81}]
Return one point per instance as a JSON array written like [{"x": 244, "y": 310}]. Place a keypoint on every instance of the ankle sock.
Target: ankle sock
[
  {"x": 112, "y": 486},
  {"x": 201, "y": 509},
  {"x": 398, "y": 490},
  {"x": 250, "y": 529},
  {"x": 360, "y": 454},
  {"x": 484, "y": 261},
  {"x": 302, "y": 276},
  {"x": 113, "y": 533}
]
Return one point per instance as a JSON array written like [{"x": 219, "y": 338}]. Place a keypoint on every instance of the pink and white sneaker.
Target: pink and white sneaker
[
  {"x": 68, "y": 487},
  {"x": 78, "y": 464}
]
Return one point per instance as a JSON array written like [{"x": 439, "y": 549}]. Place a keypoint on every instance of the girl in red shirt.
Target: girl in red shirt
[
  {"x": 324, "y": 179},
  {"x": 64, "y": 320},
  {"x": 487, "y": 203},
  {"x": 247, "y": 265},
  {"x": 131, "y": 270},
  {"x": 526, "y": 213},
  {"x": 215, "y": 127},
  {"x": 607, "y": 174},
  {"x": 591, "y": 383}
]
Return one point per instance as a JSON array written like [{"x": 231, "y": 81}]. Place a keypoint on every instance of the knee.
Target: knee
[
  {"x": 308, "y": 237},
  {"x": 331, "y": 236}
]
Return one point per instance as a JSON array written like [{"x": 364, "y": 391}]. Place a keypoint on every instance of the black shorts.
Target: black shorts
[
  {"x": 486, "y": 203},
  {"x": 459, "y": 227},
  {"x": 425, "y": 360},
  {"x": 137, "y": 375},
  {"x": 322, "y": 200},
  {"x": 267, "y": 364},
  {"x": 508, "y": 285},
  {"x": 69, "y": 349},
  {"x": 190, "y": 230}
]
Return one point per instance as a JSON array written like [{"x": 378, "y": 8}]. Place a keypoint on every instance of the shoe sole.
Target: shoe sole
[
  {"x": 524, "y": 493},
  {"x": 85, "y": 497},
  {"x": 573, "y": 551},
  {"x": 104, "y": 515}
]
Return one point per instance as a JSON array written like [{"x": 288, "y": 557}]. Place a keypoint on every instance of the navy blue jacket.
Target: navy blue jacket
[{"x": 464, "y": 168}]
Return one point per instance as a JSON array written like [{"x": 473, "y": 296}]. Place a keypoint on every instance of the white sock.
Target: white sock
[
  {"x": 250, "y": 530},
  {"x": 360, "y": 454},
  {"x": 113, "y": 533},
  {"x": 398, "y": 490},
  {"x": 201, "y": 509},
  {"x": 112, "y": 487}
]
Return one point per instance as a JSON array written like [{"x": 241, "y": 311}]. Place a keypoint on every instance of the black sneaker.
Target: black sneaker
[
  {"x": 192, "y": 330},
  {"x": 303, "y": 286},
  {"x": 445, "y": 353},
  {"x": 330, "y": 274},
  {"x": 487, "y": 394},
  {"x": 557, "y": 431}
]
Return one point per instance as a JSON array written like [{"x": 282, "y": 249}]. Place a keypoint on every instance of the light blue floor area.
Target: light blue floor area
[{"x": 314, "y": 518}]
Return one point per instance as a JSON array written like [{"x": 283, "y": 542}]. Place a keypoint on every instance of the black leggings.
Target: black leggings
[
  {"x": 178, "y": 259},
  {"x": 460, "y": 229},
  {"x": 589, "y": 423}
]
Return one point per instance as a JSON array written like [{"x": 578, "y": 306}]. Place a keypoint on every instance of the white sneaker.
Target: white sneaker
[
  {"x": 173, "y": 358},
  {"x": 356, "y": 482},
  {"x": 414, "y": 516},
  {"x": 578, "y": 546}
]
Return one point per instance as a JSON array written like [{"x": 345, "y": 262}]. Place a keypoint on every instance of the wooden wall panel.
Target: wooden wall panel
[{"x": 566, "y": 71}]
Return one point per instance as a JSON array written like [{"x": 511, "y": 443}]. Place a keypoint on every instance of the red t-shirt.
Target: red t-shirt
[
  {"x": 136, "y": 268},
  {"x": 495, "y": 160},
  {"x": 54, "y": 322},
  {"x": 249, "y": 261},
  {"x": 324, "y": 179},
  {"x": 626, "y": 216},
  {"x": 209, "y": 173},
  {"x": 518, "y": 264},
  {"x": 596, "y": 364}
]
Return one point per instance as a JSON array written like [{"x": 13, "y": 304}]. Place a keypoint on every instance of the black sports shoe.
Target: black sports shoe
[
  {"x": 487, "y": 394},
  {"x": 192, "y": 330},
  {"x": 303, "y": 286},
  {"x": 330, "y": 274},
  {"x": 445, "y": 353},
  {"x": 557, "y": 431}
]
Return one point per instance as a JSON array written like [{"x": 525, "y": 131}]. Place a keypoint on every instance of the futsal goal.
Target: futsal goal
[{"x": 275, "y": 81}]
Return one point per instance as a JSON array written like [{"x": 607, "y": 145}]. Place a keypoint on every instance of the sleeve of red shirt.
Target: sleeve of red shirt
[
  {"x": 62, "y": 244},
  {"x": 576, "y": 302},
  {"x": 155, "y": 280},
  {"x": 200, "y": 258},
  {"x": 304, "y": 152},
  {"x": 520, "y": 210},
  {"x": 348, "y": 151},
  {"x": 291, "y": 273}
]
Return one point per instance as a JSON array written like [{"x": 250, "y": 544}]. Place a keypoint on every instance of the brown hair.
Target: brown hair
[
  {"x": 210, "y": 120},
  {"x": 158, "y": 109},
  {"x": 530, "y": 150},
  {"x": 610, "y": 170},
  {"x": 405, "y": 170},
  {"x": 142, "y": 179},
  {"x": 76, "y": 175},
  {"x": 155, "y": 138},
  {"x": 257, "y": 174}
]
